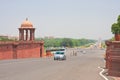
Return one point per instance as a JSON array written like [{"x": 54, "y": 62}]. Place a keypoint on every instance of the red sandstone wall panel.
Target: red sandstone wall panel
[
  {"x": 113, "y": 73},
  {"x": 6, "y": 51},
  {"x": 28, "y": 51},
  {"x": 14, "y": 50},
  {"x": 113, "y": 58},
  {"x": 8, "y": 55}
]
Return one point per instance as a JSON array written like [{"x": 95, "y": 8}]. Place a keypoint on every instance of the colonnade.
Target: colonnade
[{"x": 26, "y": 34}]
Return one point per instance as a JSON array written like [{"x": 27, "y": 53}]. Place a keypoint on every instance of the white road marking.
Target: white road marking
[{"x": 101, "y": 73}]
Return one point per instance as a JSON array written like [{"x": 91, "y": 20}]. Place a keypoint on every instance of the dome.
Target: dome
[{"x": 26, "y": 24}]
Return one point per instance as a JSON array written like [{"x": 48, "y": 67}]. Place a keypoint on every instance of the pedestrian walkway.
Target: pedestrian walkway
[{"x": 116, "y": 78}]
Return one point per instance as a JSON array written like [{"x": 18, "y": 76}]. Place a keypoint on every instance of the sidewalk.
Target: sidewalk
[
  {"x": 116, "y": 78},
  {"x": 110, "y": 77}
]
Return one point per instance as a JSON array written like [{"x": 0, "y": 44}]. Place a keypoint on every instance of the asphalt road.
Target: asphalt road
[{"x": 84, "y": 66}]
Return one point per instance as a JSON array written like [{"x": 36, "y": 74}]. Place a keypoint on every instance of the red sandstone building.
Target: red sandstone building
[{"x": 26, "y": 47}]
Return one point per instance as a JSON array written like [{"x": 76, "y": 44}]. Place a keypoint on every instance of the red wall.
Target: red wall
[
  {"x": 6, "y": 51},
  {"x": 113, "y": 58},
  {"x": 28, "y": 50},
  {"x": 16, "y": 50}
]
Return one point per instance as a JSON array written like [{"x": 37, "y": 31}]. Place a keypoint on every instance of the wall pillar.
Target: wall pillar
[
  {"x": 15, "y": 50},
  {"x": 41, "y": 49},
  {"x": 113, "y": 58}
]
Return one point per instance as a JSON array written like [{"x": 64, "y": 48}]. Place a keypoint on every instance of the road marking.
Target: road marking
[{"x": 101, "y": 73}]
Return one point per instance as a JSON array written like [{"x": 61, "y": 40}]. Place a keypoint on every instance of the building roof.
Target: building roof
[{"x": 26, "y": 24}]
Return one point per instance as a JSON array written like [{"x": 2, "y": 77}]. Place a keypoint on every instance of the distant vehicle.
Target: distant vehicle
[
  {"x": 60, "y": 55},
  {"x": 83, "y": 51}
]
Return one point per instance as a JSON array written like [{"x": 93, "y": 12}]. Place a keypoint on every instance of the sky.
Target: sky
[{"x": 91, "y": 19}]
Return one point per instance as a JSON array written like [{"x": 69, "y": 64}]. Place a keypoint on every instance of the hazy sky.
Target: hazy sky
[{"x": 90, "y": 19}]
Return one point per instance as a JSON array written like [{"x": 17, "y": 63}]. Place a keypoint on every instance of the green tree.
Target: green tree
[
  {"x": 67, "y": 42},
  {"x": 115, "y": 29},
  {"x": 5, "y": 39},
  {"x": 118, "y": 20}
]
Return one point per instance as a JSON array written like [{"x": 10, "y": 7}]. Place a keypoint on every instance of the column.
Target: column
[
  {"x": 30, "y": 35},
  {"x": 33, "y": 34},
  {"x": 26, "y": 34},
  {"x": 23, "y": 35},
  {"x": 19, "y": 34}
]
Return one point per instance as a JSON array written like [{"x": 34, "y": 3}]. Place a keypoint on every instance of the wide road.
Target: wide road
[{"x": 84, "y": 66}]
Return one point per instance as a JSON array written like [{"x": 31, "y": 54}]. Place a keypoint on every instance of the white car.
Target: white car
[{"x": 59, "y": 55}]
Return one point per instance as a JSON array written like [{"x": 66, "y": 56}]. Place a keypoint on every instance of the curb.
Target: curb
[{"x": 101, "y": 73}]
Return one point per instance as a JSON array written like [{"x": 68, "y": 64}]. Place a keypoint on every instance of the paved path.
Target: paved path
[{"x": 84, "y": 66}]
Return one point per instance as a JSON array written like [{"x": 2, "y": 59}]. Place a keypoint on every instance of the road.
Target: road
[{"x": 84, "y": 66}]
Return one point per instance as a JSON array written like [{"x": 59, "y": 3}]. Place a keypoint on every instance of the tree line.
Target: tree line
[
  {"x": 60, "y": 42},
  {"x": 65, "y": 42}
]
